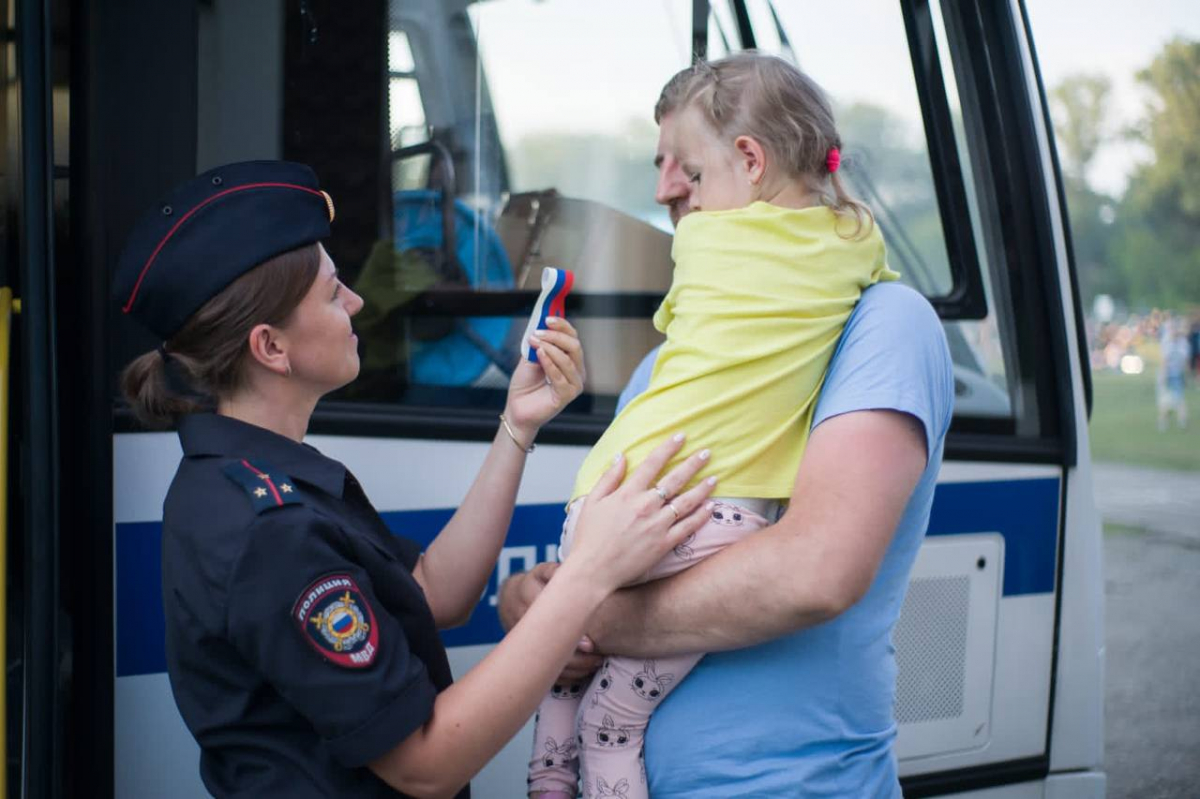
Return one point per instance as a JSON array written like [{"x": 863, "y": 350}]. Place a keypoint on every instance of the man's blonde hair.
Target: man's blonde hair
[{"x": 768, "y": 99}]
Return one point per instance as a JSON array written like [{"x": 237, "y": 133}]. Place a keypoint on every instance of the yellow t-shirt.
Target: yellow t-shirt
[{"x": 757, "y": 303}]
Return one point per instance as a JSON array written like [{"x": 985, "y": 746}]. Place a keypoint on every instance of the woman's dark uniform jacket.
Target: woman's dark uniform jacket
[{"x": 299, "y": 645}]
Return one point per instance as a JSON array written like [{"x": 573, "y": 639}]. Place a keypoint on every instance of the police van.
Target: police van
[{"x": 467, "y": 145}]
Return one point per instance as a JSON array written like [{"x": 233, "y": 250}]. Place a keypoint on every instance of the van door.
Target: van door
[{"x": 516, "y": 135}]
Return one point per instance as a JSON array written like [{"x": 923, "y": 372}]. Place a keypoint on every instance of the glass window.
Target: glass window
[
  {"x": 533, "y": 147},
  {"x": 869, "y": 77},
  {"x": 538, "y": 120},
  {"x": 573, "y": 85},
  {"x": 470, "y": 144},
  {"x": 406, "y": 113},
  {"x": 984, "y": 377}
]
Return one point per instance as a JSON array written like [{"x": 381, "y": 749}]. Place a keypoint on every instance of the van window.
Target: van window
[
  {"x": 871, "y": 81},
  {"x": 551, "y": 150},
  {"x": 468, "y": 145}
]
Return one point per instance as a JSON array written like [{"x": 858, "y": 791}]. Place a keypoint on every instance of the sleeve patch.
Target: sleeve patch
[
  {"x": 334, "y": 617},
  {"x": 266, "y": 486}
]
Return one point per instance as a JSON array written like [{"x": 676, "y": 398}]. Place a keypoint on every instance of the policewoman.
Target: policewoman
[{"x": 302, "y": 640}]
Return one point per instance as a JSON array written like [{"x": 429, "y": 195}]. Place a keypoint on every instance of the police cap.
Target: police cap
[{"x": 210, "y": 231}]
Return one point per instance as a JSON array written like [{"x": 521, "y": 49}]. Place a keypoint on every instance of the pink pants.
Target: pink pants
[{"x": 598, "y": 728}]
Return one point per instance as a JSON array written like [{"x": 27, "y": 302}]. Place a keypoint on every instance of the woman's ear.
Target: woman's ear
[
  {"x": 752, "y": 158},
  {"x": 269, "y": 349}
]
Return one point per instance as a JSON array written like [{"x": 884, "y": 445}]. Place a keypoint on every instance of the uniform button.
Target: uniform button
[
  {"x": 167, "y": 211},
  {"x": 217, "y": 180}
]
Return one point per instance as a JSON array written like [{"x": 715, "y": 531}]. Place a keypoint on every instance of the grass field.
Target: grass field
[{"x": 1124, "y": 424}]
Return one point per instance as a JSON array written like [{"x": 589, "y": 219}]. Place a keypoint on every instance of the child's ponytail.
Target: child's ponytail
[{"x": 842, "y": 202}]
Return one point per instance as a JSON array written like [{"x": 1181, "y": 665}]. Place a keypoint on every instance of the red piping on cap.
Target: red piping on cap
[{"x": 184, "y": 218}]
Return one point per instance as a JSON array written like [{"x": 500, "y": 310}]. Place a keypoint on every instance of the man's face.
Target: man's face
[
  {"x": 696, "y": 170},
  {"x": 674, "y": 189}
]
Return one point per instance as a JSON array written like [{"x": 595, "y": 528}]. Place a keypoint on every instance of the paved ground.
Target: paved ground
[
  {"x": 1152, "y": 587},
  {"x": 1164, "y": 501}
]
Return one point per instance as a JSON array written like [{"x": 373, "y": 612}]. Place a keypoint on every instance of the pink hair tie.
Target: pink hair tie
[{"x": 833, "y": 160}]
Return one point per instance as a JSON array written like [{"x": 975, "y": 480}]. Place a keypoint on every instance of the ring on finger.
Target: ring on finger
[
  {"x": 548, "y": 381},
  {"x": 671, "y": 507},
  {"x": 662, "y": 493}
]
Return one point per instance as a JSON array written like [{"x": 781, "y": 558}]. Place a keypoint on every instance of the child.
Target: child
[{"x": 765, "y": 278}]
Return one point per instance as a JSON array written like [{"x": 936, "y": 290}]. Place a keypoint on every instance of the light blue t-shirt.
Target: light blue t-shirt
[{"x": 810, "y": 714}]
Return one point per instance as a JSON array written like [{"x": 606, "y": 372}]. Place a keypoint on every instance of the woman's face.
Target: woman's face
[
  {"x": 714, "y": 168},
  {"x": 322, "y": 347}
]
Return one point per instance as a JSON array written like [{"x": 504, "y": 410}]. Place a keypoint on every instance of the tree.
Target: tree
[
  {"x": 1080, "y": 109},
  {"x": 887, "y": 165},
  {"x": 1080, "y": 105},
  {"x": 1157, "y": 243},
  {"x": 1171, "y": 125}
]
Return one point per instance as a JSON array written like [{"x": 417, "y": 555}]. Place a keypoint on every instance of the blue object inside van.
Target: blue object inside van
[{"x": 460, "y": 357}]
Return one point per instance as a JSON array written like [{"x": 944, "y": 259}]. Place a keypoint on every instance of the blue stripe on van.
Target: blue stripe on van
[{"x": 1025, "y": 512}]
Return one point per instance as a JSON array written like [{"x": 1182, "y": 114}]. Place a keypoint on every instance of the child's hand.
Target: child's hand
[
  {"x": 625, "y": 528},
  {"x": 538, "y": 391}
]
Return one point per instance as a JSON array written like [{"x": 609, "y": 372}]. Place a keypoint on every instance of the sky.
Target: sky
[
  {"x": 579, "y": 81},
  {"x": 1119, "y": 39}
]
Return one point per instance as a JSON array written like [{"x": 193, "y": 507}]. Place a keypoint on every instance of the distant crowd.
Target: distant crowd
[
  {"x": 1112, "y": 341},
  {"x": 1124, "y": 347}
]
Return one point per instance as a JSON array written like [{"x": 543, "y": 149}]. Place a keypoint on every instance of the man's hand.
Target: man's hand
[
  {"x": 858, "y": 473},
  {"x": 518, "y": 592},
  {"x": 516, "y": 595}
]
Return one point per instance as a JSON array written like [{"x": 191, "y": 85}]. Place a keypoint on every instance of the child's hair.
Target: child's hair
[{"x": 768, "y": 99}]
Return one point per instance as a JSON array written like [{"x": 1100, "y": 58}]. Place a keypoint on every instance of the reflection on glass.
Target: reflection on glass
[
  {"x": 867, "y": 71},
  {"x": 400, "y": 57},
  {"x": 573, "y": 85},
  {"x": 535, "y": 141},
  {"x": 996, "y": 361},
  {"x": 868, "y": 74},
  {"x": 722, "y": 30}
]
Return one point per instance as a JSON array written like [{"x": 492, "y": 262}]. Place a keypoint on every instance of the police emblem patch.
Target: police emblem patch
[{"x": 336, "y": 619}]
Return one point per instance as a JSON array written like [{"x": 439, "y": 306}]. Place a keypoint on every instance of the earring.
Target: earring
[{"x": 289, "y": 370}]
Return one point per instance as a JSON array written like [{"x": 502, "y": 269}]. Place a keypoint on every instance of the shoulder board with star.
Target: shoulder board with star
[{"x": 266, "y": 486}]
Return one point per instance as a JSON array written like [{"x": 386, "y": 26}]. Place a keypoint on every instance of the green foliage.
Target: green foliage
[
  {"x": 1092, "y": 234},
  {"x": 1145, "y": 247},
  {"x": 1171, "y": 126},
  {"x": 1159, "y": 259},
  {"x": 887, "y": 166},
  {"x": 1081, "y": 120}
]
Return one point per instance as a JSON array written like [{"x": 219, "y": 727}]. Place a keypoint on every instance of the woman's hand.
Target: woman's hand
[
  {"x": 519, "y": 592},
  {"x": 625, "y": 528},
  {"x": 538, "y": 391}
]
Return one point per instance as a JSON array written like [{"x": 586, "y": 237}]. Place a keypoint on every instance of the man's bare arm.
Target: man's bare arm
[{"x": 858, "y": 473}]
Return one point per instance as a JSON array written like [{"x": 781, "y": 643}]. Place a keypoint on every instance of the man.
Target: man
[{"x": 797, "y": 697}]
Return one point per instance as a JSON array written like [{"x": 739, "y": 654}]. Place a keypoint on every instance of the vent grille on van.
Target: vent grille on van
[
  {"x": 945, "y": 643},
  {"x": 931, "y": 649}
]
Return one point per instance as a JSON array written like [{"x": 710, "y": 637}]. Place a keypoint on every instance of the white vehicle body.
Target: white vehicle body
[{"x": 1000, "y": 642}]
